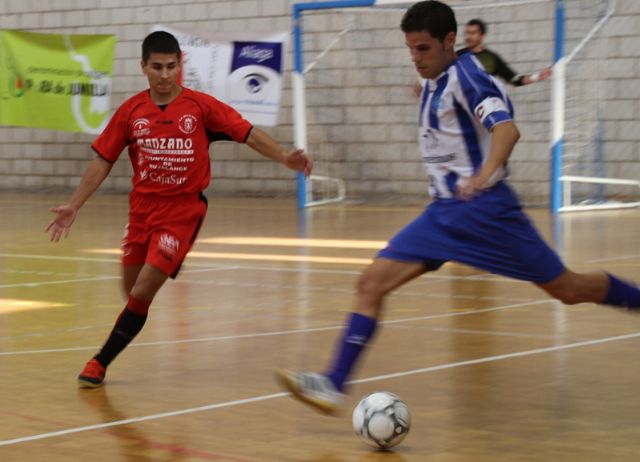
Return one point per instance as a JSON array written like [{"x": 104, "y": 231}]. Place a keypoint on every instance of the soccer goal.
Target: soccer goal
[
  {"x": 590, "y": 169},
  {"x": 355, "y": 112}
]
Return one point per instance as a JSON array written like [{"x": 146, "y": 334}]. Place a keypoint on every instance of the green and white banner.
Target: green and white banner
[{"x": 55, "y": 81}]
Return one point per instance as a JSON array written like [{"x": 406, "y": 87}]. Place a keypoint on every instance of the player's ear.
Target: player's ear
[{"x": 450, "y": 41}]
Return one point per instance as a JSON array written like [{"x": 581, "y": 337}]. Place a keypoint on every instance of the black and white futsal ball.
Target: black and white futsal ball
[{"x": 381, "y": 419}]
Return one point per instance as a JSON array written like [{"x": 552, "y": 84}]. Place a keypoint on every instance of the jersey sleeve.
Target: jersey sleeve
[
  {"x": 115, "y": 137},
  {"x": 506, "y": 73},
  {"x": 223, "y": 122},
  {"x": 489, "y": 105}
]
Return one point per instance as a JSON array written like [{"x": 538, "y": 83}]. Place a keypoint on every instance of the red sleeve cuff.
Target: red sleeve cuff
[{"x": 101, "y": 155}]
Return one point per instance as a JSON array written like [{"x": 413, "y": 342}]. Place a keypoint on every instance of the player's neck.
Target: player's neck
[
  {"x": 165, "y": 98},
  {"x": 478, "y": 48}
]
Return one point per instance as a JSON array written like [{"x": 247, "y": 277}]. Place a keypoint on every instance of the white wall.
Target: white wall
[{"x": 377, "y": 152}]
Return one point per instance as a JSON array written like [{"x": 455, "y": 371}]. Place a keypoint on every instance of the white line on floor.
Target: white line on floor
[
  {"x": 377, "y": 378},
  {"x": 277, "y": 333},
  {"x": 624, "y": 257}
]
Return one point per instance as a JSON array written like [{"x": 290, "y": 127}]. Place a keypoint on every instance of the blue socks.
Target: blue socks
[
  {"x": 622, "y": 293},
  {"x": 358, "y": 332},
  {"x": 360, "y": 329}
]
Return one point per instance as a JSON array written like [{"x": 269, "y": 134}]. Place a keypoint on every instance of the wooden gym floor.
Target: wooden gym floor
[{"x": 491, "y": 368}]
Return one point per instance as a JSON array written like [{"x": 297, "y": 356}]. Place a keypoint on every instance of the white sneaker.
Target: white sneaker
[{"x": 314, "y": 389}]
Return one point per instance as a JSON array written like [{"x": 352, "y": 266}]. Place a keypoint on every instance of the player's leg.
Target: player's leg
[
  {"x": 325, "y": 391},
  {"x": 129, "y": 323},
  {"x": 155, "y": 246},
  {"x": 494, "y": 234},
  {"x": 129, "y": 277},
  {"x": 134, "y": 253},
  {"x": 134, "y": 315},
  {"x": 378, "y": 280},
  {"x": 517, "y": 250},
  {"x": 571, "y": 288}
]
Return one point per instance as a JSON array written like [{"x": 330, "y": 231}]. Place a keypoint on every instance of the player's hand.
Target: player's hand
[
  {"x": 60, "y": 225},
  {"x": 471, "y": 186},
  {"x": 545, "y": 73},
  {"x": 297, "y": 160},
  {"x": 416, "y": 89}
]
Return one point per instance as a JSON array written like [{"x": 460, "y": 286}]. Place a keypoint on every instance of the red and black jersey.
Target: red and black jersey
[{"x": 169, "y": 149}]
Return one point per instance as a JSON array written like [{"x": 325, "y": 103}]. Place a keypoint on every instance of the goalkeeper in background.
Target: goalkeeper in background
[{"x": 474, "y": 33}]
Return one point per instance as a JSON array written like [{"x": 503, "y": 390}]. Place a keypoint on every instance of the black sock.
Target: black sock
[{"x": 126, "y": 328}]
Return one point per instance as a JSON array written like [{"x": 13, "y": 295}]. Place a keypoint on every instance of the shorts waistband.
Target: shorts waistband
[{"x": 499, "y": 186}]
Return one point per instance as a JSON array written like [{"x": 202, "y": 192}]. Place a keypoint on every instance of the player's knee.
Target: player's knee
[
  {"x": 570, "y": 298},
  {"x": 147, "y": 284},
  {"x": 127, "y": 287},
  {"x": 567, "y": 295},
  {"x": 145, "y": 290},
  {"x": 570, "y": 288},
  {"x": 370, "y": 286}
]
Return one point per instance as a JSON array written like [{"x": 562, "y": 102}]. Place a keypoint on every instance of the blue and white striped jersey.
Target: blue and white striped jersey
[{"x": 459, "y": 109}]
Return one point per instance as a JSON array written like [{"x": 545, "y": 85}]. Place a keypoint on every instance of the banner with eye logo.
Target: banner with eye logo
[{"x": 244, "y": 70}]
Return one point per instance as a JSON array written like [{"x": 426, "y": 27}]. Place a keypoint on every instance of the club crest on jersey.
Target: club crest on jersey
[
  {"x": 437, "y": 104},
  {"x": 187, "y": 124},
  {"x": 141, "y": 127}
]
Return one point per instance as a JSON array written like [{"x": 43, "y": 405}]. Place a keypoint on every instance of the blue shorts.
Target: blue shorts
[{"x": 490, "y": 232}]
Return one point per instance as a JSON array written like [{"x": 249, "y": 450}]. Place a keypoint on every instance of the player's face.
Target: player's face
[
  {"x": 472, "y": 36},
  {"x": 162, "y": 71},
  {"x": 428, "y": 54}
]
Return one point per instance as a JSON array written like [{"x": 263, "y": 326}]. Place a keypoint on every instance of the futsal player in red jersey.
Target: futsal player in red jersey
[{"x": 167, "y": 129}]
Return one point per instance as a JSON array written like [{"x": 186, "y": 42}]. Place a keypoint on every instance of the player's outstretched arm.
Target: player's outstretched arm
[
  {"x": 504, "y": 137},
  {"x": 544, "y": 74},
  {"x": 296, "y": 160},
  {"x": 93, "y": 177}
]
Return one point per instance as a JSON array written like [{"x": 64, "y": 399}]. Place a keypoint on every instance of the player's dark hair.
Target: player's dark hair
[
  {"x": 480, "y": 23},
  {"x": 430, "y": 16},
  {"x": 160, "y": 42}
]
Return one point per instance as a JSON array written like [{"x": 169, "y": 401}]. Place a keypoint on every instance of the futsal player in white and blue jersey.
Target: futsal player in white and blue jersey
[{"x": 466, "y": 135}]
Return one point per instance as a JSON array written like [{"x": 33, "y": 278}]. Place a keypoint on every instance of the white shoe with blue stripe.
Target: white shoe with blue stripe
[{"x": 313, "y": 389}]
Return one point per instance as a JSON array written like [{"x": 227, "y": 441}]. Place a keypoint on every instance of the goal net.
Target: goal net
[
  {"x": 592, "y": 169},
  {"x": 356, "y": 112}
]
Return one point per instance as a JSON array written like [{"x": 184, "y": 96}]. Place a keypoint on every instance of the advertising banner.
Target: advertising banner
[
  {"x": 55, "y": 81},
  {"x": 244, "y": 70}
]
